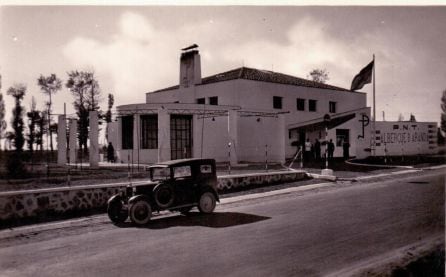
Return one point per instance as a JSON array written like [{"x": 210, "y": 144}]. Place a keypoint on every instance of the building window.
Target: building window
[
  {"x": 180, "y": 136},
  {"x": 149, "y": 131},
  {"x": 277, "y": 102},
  {"x": 213, "y": 100},
  {"x": 332, "y": 107},
  {"x": 201, "y": 101},
  {"x": 182, "y": 171},
  {"x": 312, "y": 105},
  {"x": 127, "y": 132},
  {"x": 341, "y": 136},
  {"x": 300, "y": 104}
]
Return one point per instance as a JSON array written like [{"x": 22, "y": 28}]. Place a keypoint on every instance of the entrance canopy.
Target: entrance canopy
[{"x": 319, "y": 123}]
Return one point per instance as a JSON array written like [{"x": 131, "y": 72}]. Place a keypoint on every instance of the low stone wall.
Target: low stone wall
[
  {"x": 230, "y": 182},
  {"x": 42, "y": 202}
]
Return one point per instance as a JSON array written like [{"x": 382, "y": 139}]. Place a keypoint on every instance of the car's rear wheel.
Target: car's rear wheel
[
  {"x": 115, "y": 211},
  {"x": 207, "y": 203},
  {"x": 140, "y": 212}
]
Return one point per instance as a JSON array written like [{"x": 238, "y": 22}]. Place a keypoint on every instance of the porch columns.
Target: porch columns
[
  {"x": 282, "y": 138},
  {"x": 136, "y": 139},
  {"x": 61, "y": 140},
  {"x": 163, "y": 135},
  {"x": 233, "y": 136},
  {"x": 93, "y": 135},
  {"x": 72, "y": 140}
]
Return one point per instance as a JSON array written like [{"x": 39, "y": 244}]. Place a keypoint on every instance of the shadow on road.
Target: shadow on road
[{"x": 214, "y": 220}]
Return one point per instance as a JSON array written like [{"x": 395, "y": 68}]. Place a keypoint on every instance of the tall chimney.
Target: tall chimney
[{"x": 190, "y": 66}]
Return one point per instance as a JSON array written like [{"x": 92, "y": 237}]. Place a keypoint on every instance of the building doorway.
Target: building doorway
[
  {"x": 180, "y": 136},
  {"x": 302, "y": 136},
  {"x": 342, "y": 135}
]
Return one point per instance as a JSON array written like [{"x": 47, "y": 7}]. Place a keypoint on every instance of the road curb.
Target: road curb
[
  {"x": 332, "y": 178},
  {"x": 378, "y": 165},
  {"x": 361, "y": 178},
  {"x": 434, "y": 167}
]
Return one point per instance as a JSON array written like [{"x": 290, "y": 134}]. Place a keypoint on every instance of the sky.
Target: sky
[{"x": 136, "y": 49}]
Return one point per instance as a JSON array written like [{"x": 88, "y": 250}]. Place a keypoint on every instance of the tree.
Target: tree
[
  {"x": 443, "y": 114},
  {"x": 86, "y": 92},
  {"x": 108, "y": 115},
  {"x": 42, "y": 129},
  {"x": 49, "y": 85},
  {"x": 2, "y": 119},
  {"x": 33, "y": 119},
  {"x": 319, "y": 75},
  {"x": 18, "y": 92}
]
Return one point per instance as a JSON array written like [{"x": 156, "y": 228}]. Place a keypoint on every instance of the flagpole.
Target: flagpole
[{"x": 374, "y": 108}]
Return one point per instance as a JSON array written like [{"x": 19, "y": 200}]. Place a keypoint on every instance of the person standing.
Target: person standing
[
  {"x": 110, "y": 153},
  {"x": 345, "y": 148},
  {"x": 308, "y": 147},
  {"x": 330, "y": 149},
  {"x": 317, "y": 150}
]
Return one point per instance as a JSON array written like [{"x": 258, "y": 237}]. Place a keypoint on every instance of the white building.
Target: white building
[{"x": 242, "y": 115}]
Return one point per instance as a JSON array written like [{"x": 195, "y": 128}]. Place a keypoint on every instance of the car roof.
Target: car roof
[{"x": 185, "y": 161}]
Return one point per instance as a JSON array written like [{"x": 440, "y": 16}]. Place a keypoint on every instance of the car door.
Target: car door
[{"x": 183, "y": 184}]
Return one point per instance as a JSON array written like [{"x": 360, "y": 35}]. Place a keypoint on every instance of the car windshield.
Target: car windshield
[{"x": 159, "y": 173}]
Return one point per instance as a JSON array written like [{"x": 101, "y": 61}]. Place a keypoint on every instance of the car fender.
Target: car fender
[
  {"x": 212, "y": 190},
  {"x": 116, "y": 197},
  {"x": 135, "y": 198}
]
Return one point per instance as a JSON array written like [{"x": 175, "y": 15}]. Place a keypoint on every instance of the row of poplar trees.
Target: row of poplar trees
[{"x": 86, "y": 92}]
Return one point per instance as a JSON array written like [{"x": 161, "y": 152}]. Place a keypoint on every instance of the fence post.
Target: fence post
[
  {"x": 266, "y": 157},
  {"x": 229, "y": 158},
  {"x": 301, "y": 158}
]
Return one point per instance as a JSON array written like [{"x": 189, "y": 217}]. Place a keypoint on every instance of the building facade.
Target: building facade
[{"x": 242, "y": 115}]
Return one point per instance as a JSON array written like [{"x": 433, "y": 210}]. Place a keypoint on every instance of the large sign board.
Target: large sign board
[{"x": 405, "y": 138}]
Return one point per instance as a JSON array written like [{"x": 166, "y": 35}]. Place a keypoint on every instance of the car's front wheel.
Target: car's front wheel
[
  {"x": 207, "y": 203},
  {"x": 140, "y": 212}
]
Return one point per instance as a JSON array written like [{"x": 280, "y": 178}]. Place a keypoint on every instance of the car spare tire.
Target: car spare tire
[{"x": 164, "y": 195}]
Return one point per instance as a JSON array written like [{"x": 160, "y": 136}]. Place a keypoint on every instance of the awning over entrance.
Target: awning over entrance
[{"x": 319, "y": 123}]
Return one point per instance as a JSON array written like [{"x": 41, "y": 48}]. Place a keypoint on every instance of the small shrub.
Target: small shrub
[{"x": 15, "y": 167}]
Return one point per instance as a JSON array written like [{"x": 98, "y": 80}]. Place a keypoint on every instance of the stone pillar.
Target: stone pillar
[
  {"x": 93, "y": 135},
  {"x": 73, "y": 140},
  {"x": 163, "y": 135},
  {"x": 61, "y": 140},
  {"x": 233, "y": 136}
]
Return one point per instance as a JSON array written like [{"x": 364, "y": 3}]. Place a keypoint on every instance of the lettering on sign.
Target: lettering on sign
[{"x": 406, "y": 134}]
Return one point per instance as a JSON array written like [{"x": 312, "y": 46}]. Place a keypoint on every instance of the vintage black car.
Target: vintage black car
[{"x": 177, "y": 185}]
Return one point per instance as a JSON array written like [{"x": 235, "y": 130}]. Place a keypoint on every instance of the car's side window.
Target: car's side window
[
  {"x": 182, "y": 171},
  {"x": 206, "y": 168}
]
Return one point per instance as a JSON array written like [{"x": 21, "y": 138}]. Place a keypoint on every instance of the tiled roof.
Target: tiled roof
[{"x": 261, "y": 76}]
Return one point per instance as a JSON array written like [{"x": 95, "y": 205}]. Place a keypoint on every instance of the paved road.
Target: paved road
[{"x": 298, "y": 234}]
